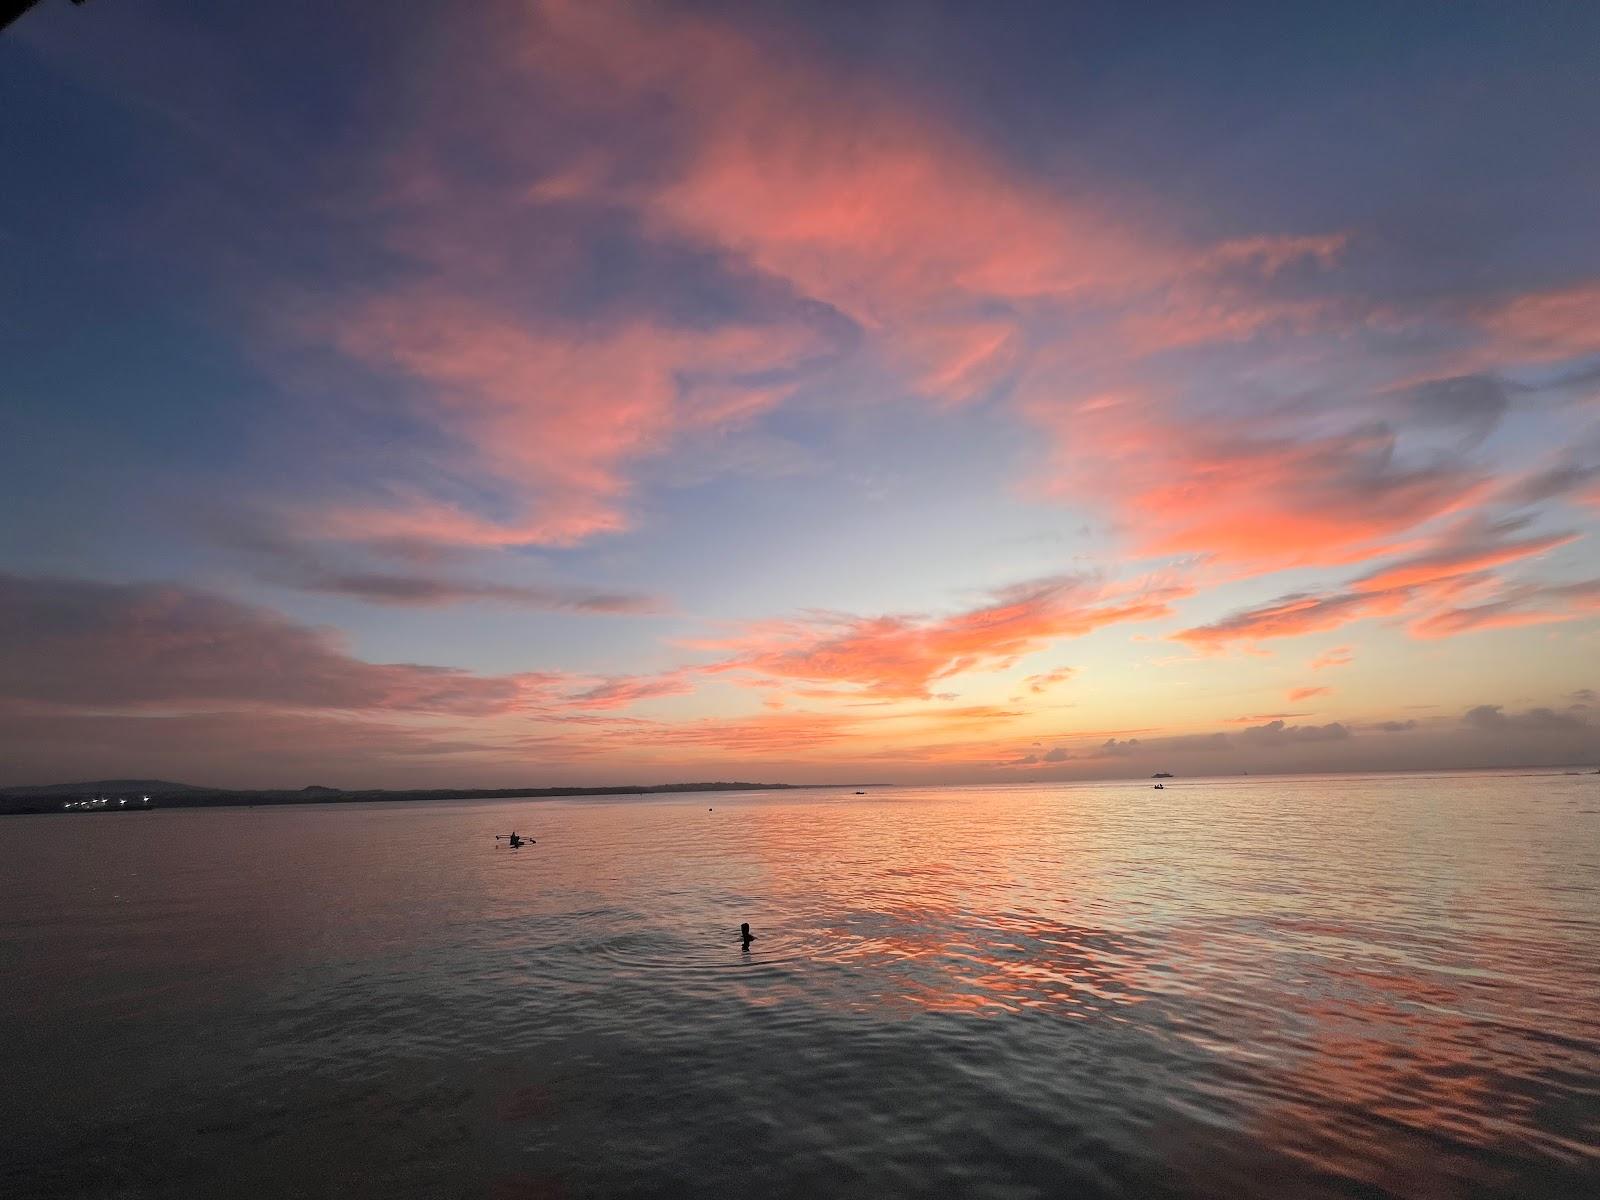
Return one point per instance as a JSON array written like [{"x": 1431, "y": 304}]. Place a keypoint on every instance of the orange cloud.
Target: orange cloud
[
  {"x": 1452, "y": 573},
  {"x": 756, "y": 736},
  {"x": 831, "y": 736},
  {"x": 1260, "y": 718},
  {"x": 1339, "y": 656},
  {"x": 899, "y": 657},
  {"x": 1509, "y": 607},
  {"x": 1239, "y": 493},
  {"x": 1453, "y": 560},
  {"x": 1297, "y": 694},
  {"x": 1296, "y": 502},
  {"x": 1039, "y": 684}
]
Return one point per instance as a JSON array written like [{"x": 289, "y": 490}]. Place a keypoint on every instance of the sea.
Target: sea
[{"x": 1351, "y": 986}]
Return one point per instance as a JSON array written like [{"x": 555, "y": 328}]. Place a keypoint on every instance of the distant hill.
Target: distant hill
[
  {"x": 152, "y": 786},
  {"x": 51, "y": 797}
]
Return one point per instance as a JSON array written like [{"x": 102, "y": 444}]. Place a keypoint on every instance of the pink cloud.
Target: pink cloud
[
  {"x": 561, "y": 412},
  {"x": 1559, "y": 323},
  {"x": 837, "y": 187},
  {"x": 1238, "y": 492},
  {"x": 830, "y": 183},
  {"x": 1295, "y": 695},
  {"x": 952, "y": 265},
  {"x": 944, "y": 255},
  {"x": 826, "y": 179}
]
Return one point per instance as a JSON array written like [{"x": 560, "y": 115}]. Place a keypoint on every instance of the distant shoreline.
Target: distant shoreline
[
  {"x": 54, "y": 798},
  {"x": 40, "y": 800}
]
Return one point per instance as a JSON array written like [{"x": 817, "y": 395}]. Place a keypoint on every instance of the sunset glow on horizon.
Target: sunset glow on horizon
[{"x": 577, "y": 392}]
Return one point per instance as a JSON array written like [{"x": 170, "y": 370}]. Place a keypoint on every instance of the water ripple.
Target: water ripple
[{"x": 1318, "y": 988}]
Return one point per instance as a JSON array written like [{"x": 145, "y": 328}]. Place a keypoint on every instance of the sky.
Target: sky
[{"x": 558, "y": 392}]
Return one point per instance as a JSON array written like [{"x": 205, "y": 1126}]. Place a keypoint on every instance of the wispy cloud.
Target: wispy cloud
[
  {"x": 248, "y": 748},
  {"x": 1429, "y": 586},
  {"x": 557, "y": 414},
  {"x": 1339, "y": 656},
  {"x": 108, "y": 646},
  {"x": 627, "y": 690},
  {"x": 1291, "y": 616},
  {"x": 600, "y": 271},
  {"x": 1477, "y": 547},
  {"x": 1553, "y": 323},
  {"x": 1039, "y": 684},
  {"x": 287, "y": 561},
  {"x": 1230, "y": 489}
]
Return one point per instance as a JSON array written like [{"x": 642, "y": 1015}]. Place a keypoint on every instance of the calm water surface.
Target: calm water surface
[{"x": 1380, "y": 986}]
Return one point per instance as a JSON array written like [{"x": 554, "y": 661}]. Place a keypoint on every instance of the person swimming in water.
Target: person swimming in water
[{"x": 745, "y": 936}]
